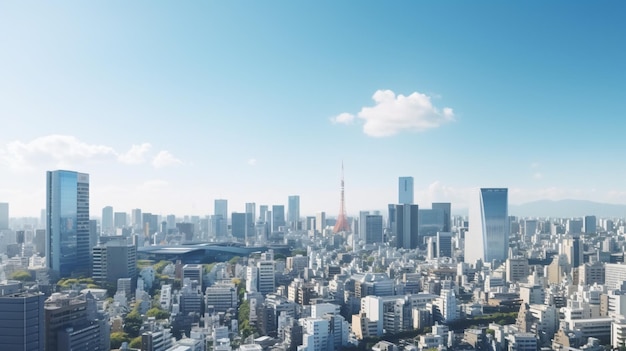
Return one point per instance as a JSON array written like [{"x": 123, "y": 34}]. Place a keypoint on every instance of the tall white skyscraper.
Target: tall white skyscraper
[
  {"x": 488, "y": 235},
  {"x": 405, "y": 190},
  {"x": 320, "y": 222}
]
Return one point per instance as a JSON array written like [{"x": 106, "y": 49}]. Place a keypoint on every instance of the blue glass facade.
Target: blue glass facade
[
  {"x": 488, "y": 235},
  {"x": 67, "y": 212}
]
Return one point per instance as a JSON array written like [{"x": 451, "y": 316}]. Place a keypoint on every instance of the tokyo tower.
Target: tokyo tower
[{"x": 342, "y": 224}]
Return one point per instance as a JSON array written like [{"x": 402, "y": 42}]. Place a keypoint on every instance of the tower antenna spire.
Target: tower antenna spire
[{"x": 342, "y": 224}]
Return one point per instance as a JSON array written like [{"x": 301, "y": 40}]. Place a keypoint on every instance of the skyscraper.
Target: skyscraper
[
  {"x": 4, "y": 215},
  {"x": 373, "y": 229},
  {"x": 446, "y": 207},
  {"x": 293, "y": 211},
  {"x": 488, "y": 235},
  {"x": 406, "y": 226},
  {"x": 405, "y": 190},
  {"x": 221, "y": 208},
  {"x": 278, "y": 217},
  {"x": 251, "y": 209},
  {"x": 137, "y": 218},
  {"x": 107, "y": 221},
  {"x": 67, "y": 221}
]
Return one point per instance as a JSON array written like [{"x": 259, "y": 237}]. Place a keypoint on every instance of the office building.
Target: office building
[
  {"x": 266, "y": 277},
  {"x": 71, "y": 323},
  {"x": 263, "y": 209},
  {"x": 251, "y": 209},
  {"x": 320, "y": 222},
  {"x": 488, "y": 235},
  {"x": 107, "y": 221},
  {"x": 405, "y": 190},
  {"x": 373, "y": 229},
  {"x": 21, "y": 318},
  {"x": 293, "y": 212},
  {"x": 431, "y": 221},
  {"x": 572, "y": 247},
  {"x": 4, "y": 215},
  {"x": 221, "y": 208},
  {"x": 67, "y": 212},
  {"x": 590, "y": 224},
  {"x": 114, "y": 260},
  {"x": 242, "y": 226},
  {"x": 278, "y": 217},
  {"x": 193, "y": 272},
  {"x": 221, "y": 296},
  {"x": 574, "y": 226},
  {"x": 315, "y": 335},
  {"x": 444, "y": 244},
  {"x": 406, "y": 226},
  {"x": 119, "y": 220},
  {"x": 136, "y": 217},
  {"x": 446, "y": 208}
]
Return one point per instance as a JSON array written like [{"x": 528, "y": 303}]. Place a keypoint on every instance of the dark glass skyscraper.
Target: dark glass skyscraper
[{"x": 67, "y": 221}]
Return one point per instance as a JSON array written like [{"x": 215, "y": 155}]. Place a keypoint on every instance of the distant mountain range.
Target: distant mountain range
[{"x": 562, "y": 209}]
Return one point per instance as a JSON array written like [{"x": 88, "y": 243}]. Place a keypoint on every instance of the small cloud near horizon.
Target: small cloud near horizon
[{"x": 392, "y": 114}]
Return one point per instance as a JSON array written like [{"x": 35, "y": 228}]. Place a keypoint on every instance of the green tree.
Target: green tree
[
  {"x": 208, "y": 267},
  {"x": 135, "y": 343},
  {"x": 158, "y": 313},
  {"x": 298, "y": 252},
  {"x": 22, "y": 276},
  {"x": 132, "y": 324},
  {"x": 234, "y": 260},
  {"x": 117, "y": 338},
  {"x": 160, "y": 266}
]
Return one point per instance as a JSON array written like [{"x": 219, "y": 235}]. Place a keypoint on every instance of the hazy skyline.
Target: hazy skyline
[{"x": 169, "y": 106}]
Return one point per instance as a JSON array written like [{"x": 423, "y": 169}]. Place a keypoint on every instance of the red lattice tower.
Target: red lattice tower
[{"x": 342, "y": 224}]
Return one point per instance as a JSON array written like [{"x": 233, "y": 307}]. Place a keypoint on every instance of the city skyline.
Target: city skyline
[{"x": 170, "y": 110}]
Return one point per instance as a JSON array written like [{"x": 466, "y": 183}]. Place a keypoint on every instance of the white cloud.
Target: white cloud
[
  {"x": 252, "y": 162},
  {"x": 136, "y": 154},
  {"x": 393, "y": 113},
  {"x": 66, "y": 151},
  {"x": 61, "y": 150},
  {"x": 165, "y": 159},
  {"x": 537, "y": 175},
  {"x": 344, "y": 118}
]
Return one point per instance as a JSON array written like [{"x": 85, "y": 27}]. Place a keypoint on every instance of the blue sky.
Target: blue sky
[{"x": 169, "y": 106}]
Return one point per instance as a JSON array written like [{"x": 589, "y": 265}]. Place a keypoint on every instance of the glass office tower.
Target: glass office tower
[
  {"x": 488, "y": 235},
  {"x": 67, "y": 217}
]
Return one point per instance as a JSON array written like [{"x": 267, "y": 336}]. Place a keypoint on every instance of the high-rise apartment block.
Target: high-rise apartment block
[
  {"x": 67, "y": 219},
  {"x": 488, "y": 235}
]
